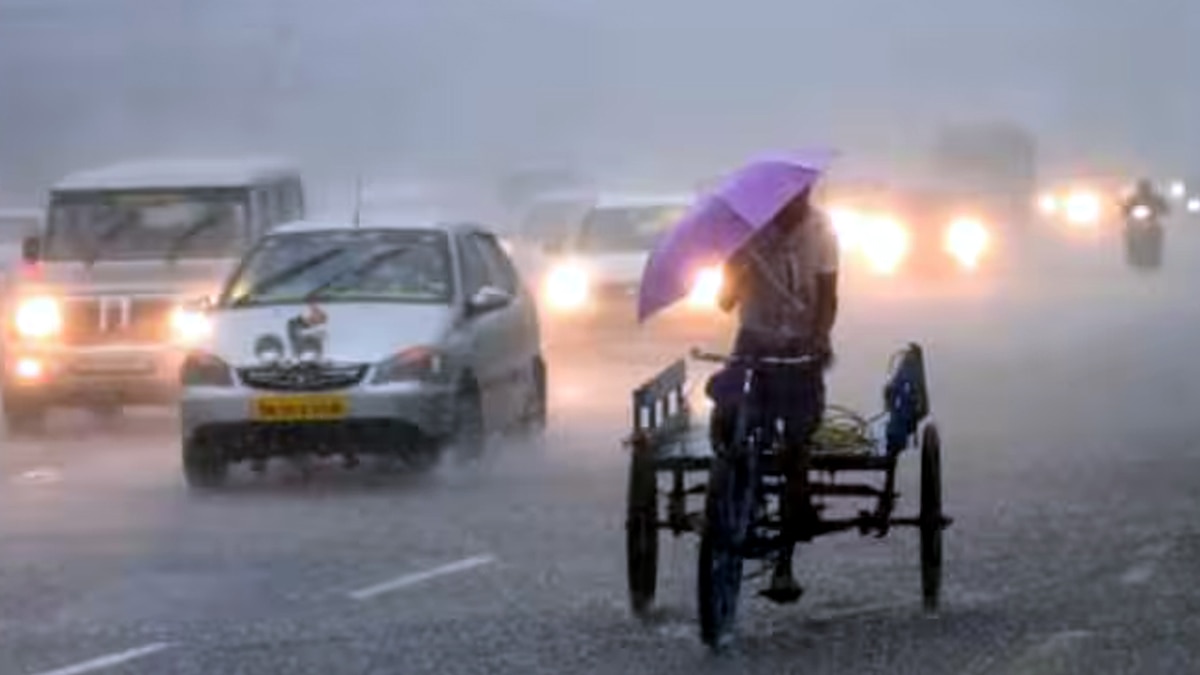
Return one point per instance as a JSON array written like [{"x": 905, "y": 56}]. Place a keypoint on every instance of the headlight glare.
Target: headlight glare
[
  {"x": 706, "y": 288},
  {"x": 567, "y": 286},
  {"x": 190, "y": 326},
  {"x": 966, "y": 240},
  {"x": 39, "y": 317}
]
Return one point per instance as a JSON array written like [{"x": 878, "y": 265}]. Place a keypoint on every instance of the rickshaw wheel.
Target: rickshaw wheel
[
  {"x": 641, "y": 531},
  {"x": 932, "y": 518}
]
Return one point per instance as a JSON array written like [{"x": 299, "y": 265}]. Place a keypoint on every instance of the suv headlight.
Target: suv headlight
[
  {"x": 412, "y": 365},
  {"x": 201, "y": 369},
  {"x": 39, "y": 317},
  {"x": 190, "y": 326}
]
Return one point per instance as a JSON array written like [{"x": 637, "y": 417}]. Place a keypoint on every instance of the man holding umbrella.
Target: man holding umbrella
[
  {"x": 783, "y": 283},
  {"x": 780, "y": 258}
]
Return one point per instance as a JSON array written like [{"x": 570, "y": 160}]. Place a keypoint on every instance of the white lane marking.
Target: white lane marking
[
  {"x": 1051, "y": 656},
  {"x": 419, "y": 577},
  {"x": 1143, "y": 570},
  {"x": 110, "y": 660},
  {"x": 1139, "y": 573},
  {"x": 38, "y": 476}
]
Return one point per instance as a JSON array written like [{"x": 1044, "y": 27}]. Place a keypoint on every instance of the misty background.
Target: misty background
[{"x": 654, "y": 90}]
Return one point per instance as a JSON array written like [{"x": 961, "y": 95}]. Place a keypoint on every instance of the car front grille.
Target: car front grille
[
  {"x": 129, "y": 319},
  {"x": 302, "y": 377}
]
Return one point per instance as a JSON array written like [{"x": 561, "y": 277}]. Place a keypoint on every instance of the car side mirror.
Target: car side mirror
[
  {"x": 31, "y": 249},
  {"x": 488, "y": 299}
]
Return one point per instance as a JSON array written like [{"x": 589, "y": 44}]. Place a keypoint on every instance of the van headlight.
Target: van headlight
[
  {"x": 567, "y": 286},
  {"x": 967, "y": 240},
  {"x": 39, "y": 317}
]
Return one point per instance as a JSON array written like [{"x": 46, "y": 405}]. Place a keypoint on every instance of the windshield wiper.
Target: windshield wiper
[
  {"x": 288, "y": 273},
  {"x": 177, "y": 245},
  {"x": 370, "y": 263},
  {"x": 106, "y": 237}
]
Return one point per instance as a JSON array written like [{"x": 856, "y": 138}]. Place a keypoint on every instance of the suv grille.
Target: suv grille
[
  {"x": 302, "y": 377},
  {"x": 129, "y": 319}
]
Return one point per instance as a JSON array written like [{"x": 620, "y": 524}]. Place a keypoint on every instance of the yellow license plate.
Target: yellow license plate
[{"x": 299, "y": 408}]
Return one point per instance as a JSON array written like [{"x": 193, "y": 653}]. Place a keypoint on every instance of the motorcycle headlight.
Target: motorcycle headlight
[
  {"x": 1141, "y": 212},
  {"x": 39, "y": 317},
  {"x": 201, "y": 369},
  {"x": 966, "y": 240},
  {"x": 567, "y": 286},
  {"x": 411, "y": 365},
  {"x": 190, "y": 326},
  {"x": 707, "y": 288}
]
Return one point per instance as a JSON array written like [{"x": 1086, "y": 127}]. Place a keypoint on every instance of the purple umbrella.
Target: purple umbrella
[{"x": 722, "y": 222}]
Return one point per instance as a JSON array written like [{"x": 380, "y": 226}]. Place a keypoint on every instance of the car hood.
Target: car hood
[
  {"x": 130, "y": 277},
  {"x": 353, "y": 333}
]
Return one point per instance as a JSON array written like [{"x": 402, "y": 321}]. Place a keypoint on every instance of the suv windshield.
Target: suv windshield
[
  {"x": 626, "y": 229},
  {"x": 408, "y": 266},
  {"x": 146, "y": 225}
]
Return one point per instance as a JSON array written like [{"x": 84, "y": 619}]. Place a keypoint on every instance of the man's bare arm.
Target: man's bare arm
[{"x": 827, "y": 305}]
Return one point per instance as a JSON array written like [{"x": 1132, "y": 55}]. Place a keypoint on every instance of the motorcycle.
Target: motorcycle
[{"x": 1143, "y": 238}]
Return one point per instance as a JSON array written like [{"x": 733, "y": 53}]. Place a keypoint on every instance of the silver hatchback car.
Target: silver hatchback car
[{"x": 340, "y": 339}]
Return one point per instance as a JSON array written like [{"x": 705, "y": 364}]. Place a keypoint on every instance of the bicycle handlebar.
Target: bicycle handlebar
[{"x": 736, "y": 359}]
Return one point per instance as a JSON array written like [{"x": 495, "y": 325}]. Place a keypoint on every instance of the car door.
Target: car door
[
  {"x": 518, "y": 325},
  {"x": 486, "y": 338}
]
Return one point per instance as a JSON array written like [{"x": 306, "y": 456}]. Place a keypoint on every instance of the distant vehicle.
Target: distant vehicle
[
  {"x": 98, "y": 313},
  {"x": 596, "y": 271},
  {"x": 991, "y": 164},
  {"x": 451, "y": 349},
  {"x": 916, "y": 232}
]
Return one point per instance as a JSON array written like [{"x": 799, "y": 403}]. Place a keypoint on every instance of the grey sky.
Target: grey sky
[{"x": 646, "y": 86}]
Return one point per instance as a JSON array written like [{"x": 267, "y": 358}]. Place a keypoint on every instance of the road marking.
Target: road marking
[
  {"x": 39, "y": 476},
  {"x": 420, "y": 577},
  {"x": 110, "y": 660},
  {"x": 1051, "y": 656}
]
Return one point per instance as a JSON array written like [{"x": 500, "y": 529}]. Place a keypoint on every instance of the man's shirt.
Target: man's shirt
[{"x": 773, "y": 279}]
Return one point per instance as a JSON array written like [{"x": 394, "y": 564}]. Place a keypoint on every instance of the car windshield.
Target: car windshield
[
  {"x": 405, "y": 266},
  {"x": 626, "y": 229},
  {"x": 146, "y": 225}
]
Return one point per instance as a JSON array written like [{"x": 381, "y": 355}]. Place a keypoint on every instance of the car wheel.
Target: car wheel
[
  {"x": 23, "y": 415},
  {"x": 534, "y": 420},
  {"x": 204, "y": 466},
  {"x": 470, "y": 436}
]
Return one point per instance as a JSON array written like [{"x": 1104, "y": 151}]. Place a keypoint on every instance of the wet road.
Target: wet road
[{"x": 1068, "y": 407}]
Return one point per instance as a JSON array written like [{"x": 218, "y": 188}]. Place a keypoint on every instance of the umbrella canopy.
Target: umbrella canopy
[{"x": 722, "y": 221}]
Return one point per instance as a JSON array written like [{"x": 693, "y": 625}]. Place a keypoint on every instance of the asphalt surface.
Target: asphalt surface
[{"x": 1067, "y": 401}]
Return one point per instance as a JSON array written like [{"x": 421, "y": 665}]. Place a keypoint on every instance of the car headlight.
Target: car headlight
[
  {"x": 1048, "y": 204},
  {"x": 966, "y": 240},
  {"x": 1178, "y": 189},
  {"x": 1083, "y": 208},
  {"x": 38, "y": 317},
  {"x": 190, "y": 326},
  {"x": 201, "y": 369},
  {"x": 411, "y": 365},
  {"x": 567, "y": 286},
  {"x": 1193, "y": 205},
  {"x": 885, "y": 243},
  {"x": 707, "y": 288}
]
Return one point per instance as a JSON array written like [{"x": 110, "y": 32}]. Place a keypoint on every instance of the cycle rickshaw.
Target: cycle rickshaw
[{"x": 672, "y": 467}]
